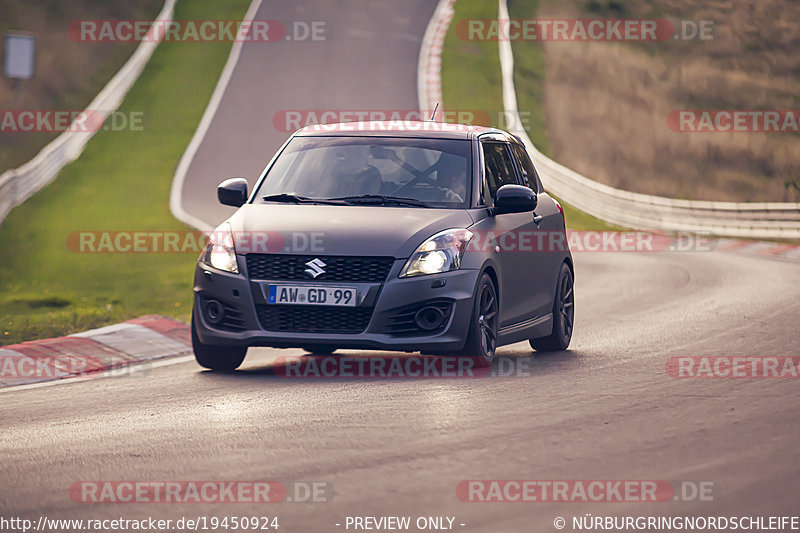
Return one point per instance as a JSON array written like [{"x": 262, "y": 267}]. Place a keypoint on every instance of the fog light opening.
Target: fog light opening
[
  {"x": 214, "y": 311},
  {"x": 429, "y": 318}
]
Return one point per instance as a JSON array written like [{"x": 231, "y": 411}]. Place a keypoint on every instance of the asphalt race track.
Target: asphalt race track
[{"x": 606, "y": 409}]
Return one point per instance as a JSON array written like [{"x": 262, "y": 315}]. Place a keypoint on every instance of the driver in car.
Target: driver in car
[{"x": 450, "y": 178}]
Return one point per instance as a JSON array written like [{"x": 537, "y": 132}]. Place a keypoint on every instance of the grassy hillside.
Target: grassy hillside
[
  {"x": 605, "y": 104},
  {"x": 68, "y": 73}
]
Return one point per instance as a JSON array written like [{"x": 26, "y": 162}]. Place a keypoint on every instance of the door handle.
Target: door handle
[{"x": 537, "y": 218}]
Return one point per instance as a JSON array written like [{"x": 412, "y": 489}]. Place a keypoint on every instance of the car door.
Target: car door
[
  {"x": 518, "y": 271},
  {"x": 545, "y": 255}
]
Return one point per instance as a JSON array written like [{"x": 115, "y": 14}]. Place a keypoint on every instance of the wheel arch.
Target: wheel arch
[
  {"x": 568, "y": 261},
  {"x": 490, "y": 270}
]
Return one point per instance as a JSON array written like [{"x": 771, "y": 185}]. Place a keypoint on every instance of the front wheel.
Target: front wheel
[
  {"x": 482, "y": 336},
  {"x": 563, "y": 315},
  {"x": 218, "y": 358}
]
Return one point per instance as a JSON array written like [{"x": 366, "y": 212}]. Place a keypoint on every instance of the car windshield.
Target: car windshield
[{"x": 391, "y": 171}]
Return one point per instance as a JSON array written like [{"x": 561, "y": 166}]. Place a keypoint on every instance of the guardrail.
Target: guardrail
[
  {"x": 19, "y": 184},
  {"x": 766, "y": 220}
]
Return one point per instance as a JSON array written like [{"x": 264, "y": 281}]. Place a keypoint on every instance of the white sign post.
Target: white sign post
[{"x": 19, "y": 59}]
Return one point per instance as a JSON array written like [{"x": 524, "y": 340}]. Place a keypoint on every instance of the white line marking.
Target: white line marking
[
  {"x": 175, "y": 196},
  {"x": 793, "y": 254},
  {"x": 429, "y": 83},
  {"x": 507, "y": 72}
]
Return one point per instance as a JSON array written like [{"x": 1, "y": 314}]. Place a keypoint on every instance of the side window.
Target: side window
[
  {"x": 498, "y": 167},
  {"x": 529, "y": 174}
]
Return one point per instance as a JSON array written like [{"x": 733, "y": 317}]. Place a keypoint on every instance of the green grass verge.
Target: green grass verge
[
  {"x": 120, "y": 182},
  {"x": 471, "y": 80},
  {"x": 529, "y": 71},
  {"x": 471, "y": 77}
]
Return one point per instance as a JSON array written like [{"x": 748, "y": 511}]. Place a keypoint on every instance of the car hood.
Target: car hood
[{"x": 340, "y": 230}]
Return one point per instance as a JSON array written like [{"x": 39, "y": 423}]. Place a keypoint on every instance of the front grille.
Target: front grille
[
  {"x": 403, "y": 322},
  {"x": 337, "y": 268},
  {"x": 307, "y": 319}
]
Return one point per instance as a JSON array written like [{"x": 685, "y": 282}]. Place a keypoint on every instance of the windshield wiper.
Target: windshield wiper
[
  {"x": 294, "y": 199},
  {"x": 381, "y": 199}
]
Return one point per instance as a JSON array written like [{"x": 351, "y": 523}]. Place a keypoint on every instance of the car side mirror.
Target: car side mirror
[
  {"x": 514, "y": 199},
  {"x": 232, "y": 192}
]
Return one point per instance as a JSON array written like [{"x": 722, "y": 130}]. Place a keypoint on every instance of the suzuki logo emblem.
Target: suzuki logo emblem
[{"x": 315, "y": 268}]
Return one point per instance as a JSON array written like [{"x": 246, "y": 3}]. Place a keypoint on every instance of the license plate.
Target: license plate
[{"x": 305, "y": 295}]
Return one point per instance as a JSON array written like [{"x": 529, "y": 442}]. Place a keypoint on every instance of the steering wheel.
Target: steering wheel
[{"x": 413, "y": 182}]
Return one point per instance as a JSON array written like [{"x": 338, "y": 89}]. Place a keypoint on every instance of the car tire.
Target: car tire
[
  {"x": 481, "y": 340},
  {"x": 217, "y": 358},
  {"x": 320, "y": 350},
  {"x": 563, "y": 315}
]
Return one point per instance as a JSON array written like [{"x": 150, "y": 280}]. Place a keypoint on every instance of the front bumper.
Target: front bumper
[{"x": 243, "y": 299}]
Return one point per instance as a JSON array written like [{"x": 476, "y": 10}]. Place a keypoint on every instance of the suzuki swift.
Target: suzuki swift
[{"x": 428, "y": 237}]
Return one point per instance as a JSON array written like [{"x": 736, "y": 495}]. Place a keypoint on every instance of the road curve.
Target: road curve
[
  {"x": 606, "y": 409},
  {"x": 368, "y": 61}
]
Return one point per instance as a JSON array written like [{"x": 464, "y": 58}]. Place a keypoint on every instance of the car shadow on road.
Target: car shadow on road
[{"x": 382, "y": 366}]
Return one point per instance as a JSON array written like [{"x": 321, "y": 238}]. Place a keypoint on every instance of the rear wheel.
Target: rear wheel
[
  {"x": 563, "y": 315},
  {"x": 482, "y": 337},
  {"x": 320, "y": 350},
  {"x": 219, "y": 358}
]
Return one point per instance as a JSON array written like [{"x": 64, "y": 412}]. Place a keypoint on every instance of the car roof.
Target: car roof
[{"x": 400, "y": 128}]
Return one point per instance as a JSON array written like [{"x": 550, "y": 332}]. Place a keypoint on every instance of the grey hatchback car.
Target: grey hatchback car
[{"x": 428, "y": 237}]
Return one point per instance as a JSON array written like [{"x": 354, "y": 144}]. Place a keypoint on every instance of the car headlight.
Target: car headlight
[
  {"x": 220, "y": 252},
  {"x": 440, "y": 253}
]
